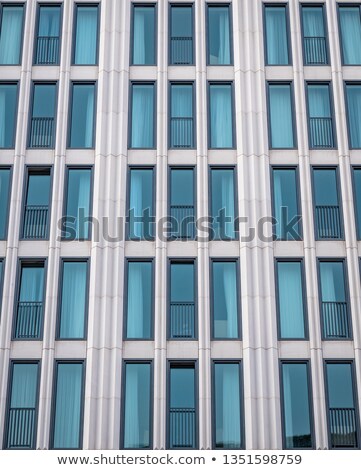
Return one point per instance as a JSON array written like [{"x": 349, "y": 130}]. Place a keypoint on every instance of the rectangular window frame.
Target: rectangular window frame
[
  {"x": 12, "y": 82},
  {"x": 288, "y": 32},
  {"x": 10, "y": 168},
  {"x": 310, "y": 400},
  {"x": 127, "y": 207},
  {"x": 12, "y": 362},
  {"x": 293, "y": 112},
  {"x": 347, "y": 83},
  {"x": 181, "y": 4},
  {"x": 23, "y": 5},
  {"x": 213, "y": 260},
  {"x": 357, "y": 222},
  {"x": 70, "y": 112},
  {"x": 339, "y": 6},
  {"x": 325, "y": 25},
  {"x": 53, "y": 400},
  {"x": 133, "y": 6},
  {"x": 75, "y": 19},
  {"x": 151, "y": 402},
  {"x": 64, "y": 260},
  {"x": 304, "y": 297},
  {"x": 194, "y": 116},
  {"x": 125, "y": 301},
  {"x": 36, "y": 32},
  {"x": 130, "y": 114},
  {"x": 231, "y": 53},
  {"x": 234, "y": 137},
  {"x": 342, "y": 260}
]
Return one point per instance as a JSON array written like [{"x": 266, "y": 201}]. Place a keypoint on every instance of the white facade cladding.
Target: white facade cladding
[{"x": 260, "y": 348}]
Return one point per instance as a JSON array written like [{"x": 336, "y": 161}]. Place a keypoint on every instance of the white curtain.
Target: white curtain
[
  {"x": 142, "y": 116},
  {"x": 139, "y": 36},
  {"x": 350, "y": 24},
  {"x": 11, "y": 34},
  {"x": 290, "y": 300},
  {"x": 136, "y": 300},
  {"x": 24, "y": 386},
  {"x": 224, "y": 53},
  {"x": 221, "y": 116},
  {"x": 276, "y": 35},
  {"x": 73, "y": 300},
  {"x": 281, "y": 116},
  {"x": 2, "y": 117},
  {"x": 231, "y": 406},
  {"x": 68, "y": 406},
  {"x": 230, "y": 294},
  {"x": 354, "y": 114},
  {"x": 86, "y": 35}
]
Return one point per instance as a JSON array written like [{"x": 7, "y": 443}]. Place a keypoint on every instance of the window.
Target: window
[
  {"x": 11, "y": 33},
  {"x": 223, "y": 204},
  {"x": 182, "y": 203},
  {"x": 78, "y": 204},
  {"x": 221, "y": 116},
  {"x": 137, "y": 405},
  {"x": 182, "y": 319},
  {"x": 225, "y": 293},
  {"x": 144, "y": 35},
  {"x": 350, "y": 33},
  {"x": 353, "y": 104},
  {"x": 321, "y": 131},
  {"x": 82, "y": 115},
  {"x": 181, "y": 115},
  {"x": 30, "y": 303},
  {"x": 5, "y": 176},
  {"x": 74, "y": 299},
  {"x": 182, "y": 406},
  {"x": 286, "y": 210},
  {"x": 37, "y": 204},
  {"x": 68, "y": 405},
  {"x": 8, "y": 114},
  {"x": 328, "y": 216},
  {"x": 48, "y": 38},
  {"x": 281, "y": 117},
  {"x": 296, "y": 405},
  {"x": 357, "y": 193},
  {"x": 290, "y": 299},
  {"x": 343, "y": 421},
  {"x": 143, "y": 117},
  {"x": 227, "y": 397},
  {"x": 181, "y": 35},
  {"x": 42, "y": 123},
  {"x": 219, "y": 35},
  {"x": 276, "y": 34},
  {"x": 139, "y": 300},
  {"x": 141, "y": 204},
  {"x": 314, "y": 35},
  {"x": 334, "y": 300},
  {"x": 20, "y": 432},
  {"x": 86, "y": 34}
]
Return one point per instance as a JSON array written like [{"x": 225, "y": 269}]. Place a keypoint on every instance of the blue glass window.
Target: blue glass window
[
  {"x": 223, "y": 204},
  {"x": 142, "y": 116},
  {"x": 137, "y": 406},
  {"x": 296, "y": 405},
  {"x": 291, "y": 308},
  {"x": 8, "y": 108},
  {"x": 144, "y": 35},
  {"x": 225, "y": 300},
  {"x": 48, "y": 39},
  {"x": 4, "y": 200},
  {"x": 74, "y": 295},
  {"x": 182, "y": 204},
  {"x": 86, "y": 35},
  {"x": 181, "y": 116},
  {"x": 286, "y": 210},
  {"x": 277, "y": 48},
  {"x": 281, "y": 116},
  {"x": 11, "y": 26},
  {"x": 139, "y": 300},
  {"x": 36, "y": 210},
  {"x": 227, "y": 406},
  {"x": 78, "y": 204},
  {"x": 320, "y": 116},
  {"x": 42, "y": 125},
  {"x": 141, "y": 204},
  {"x": 353, "y": 101},
  {"x": 327, "y": 207},
  {"x": 219, "y": 35},
  {"x": 334, "y": 301},
  {"x": 182, "y": 300},
  {"x": 181, "y": 35},
  {"x": 68, "y": 405},
  {"x": 221, "y": 116},
  {"x": 314, "y": 35},
  {"x": 350, "y": 28},
  {"x": 82, "y": 115},
  {"x": 357, "y": 186},
  {"x": 22, "y": 406}
]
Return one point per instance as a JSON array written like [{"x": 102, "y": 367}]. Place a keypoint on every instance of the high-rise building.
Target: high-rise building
[{"x": 180, "y": 224}]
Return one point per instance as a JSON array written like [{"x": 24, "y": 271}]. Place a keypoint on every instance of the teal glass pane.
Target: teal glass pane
[
  {"x": 144, "y": 38},
  {"x": 141, "y": 208},
  {"x": 8, "y": 105},
  {"x": 82, "y": 116},
  {"x": 139, "y": 300},
  {"x": 350, "y": 28},
  {"x": 44, "y": 100},
  {"x": 221, "y": 116},
  {"x": 78, "y": 204},
  {"x": 31, "y": 284},
  {"x": 353, "y": 98},
  {"x": 182, "y": 282},
  {"x": 225, "y": 299},
  {"x": 281, "y": 118},
  {"x": 223, "y": 210},
  {"x": 4, "y": 200},
  {"x": 11, "y": 34},
  {"x": 86, "y": 39},
  {"x": 276, "y": 35},
  {"x": 286, "y": 208},
  {"x": 142, "y": 119},
  {"x": 219, "y": 36}
]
